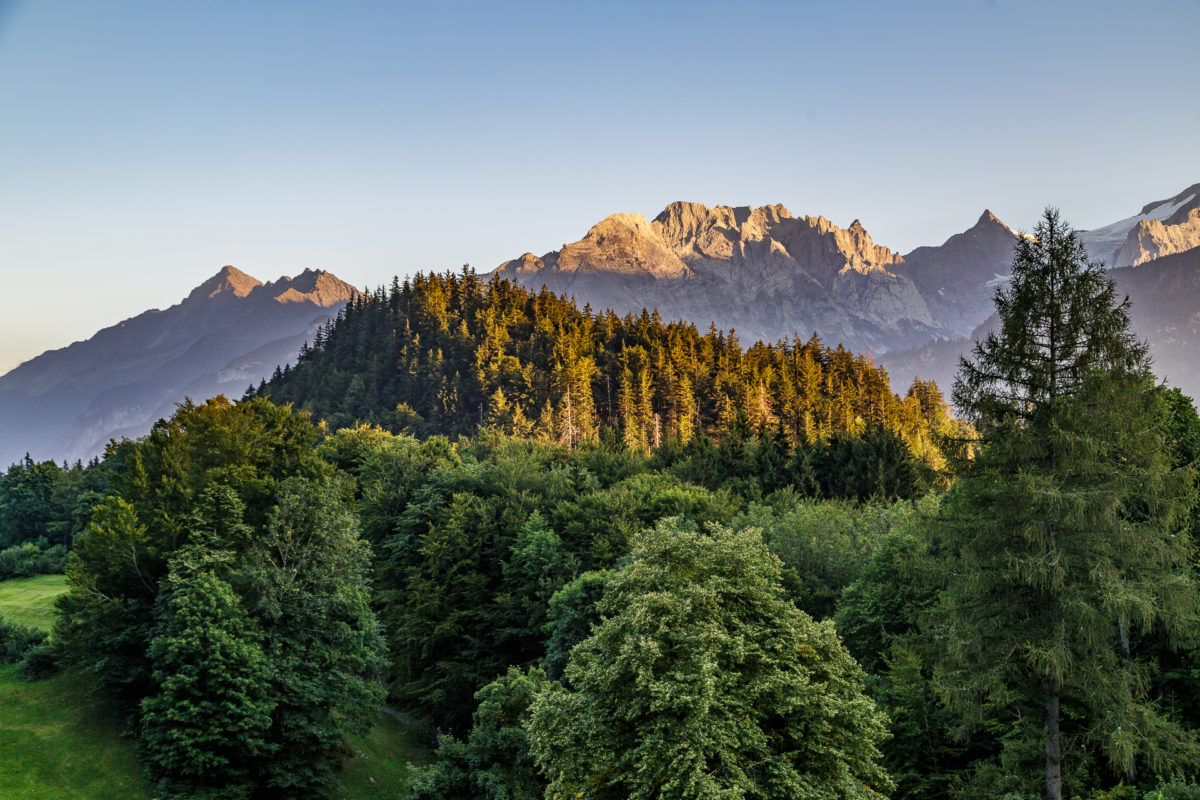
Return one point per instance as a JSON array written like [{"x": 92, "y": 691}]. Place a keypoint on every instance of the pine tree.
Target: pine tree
[{"x": 1066, "y": 528}]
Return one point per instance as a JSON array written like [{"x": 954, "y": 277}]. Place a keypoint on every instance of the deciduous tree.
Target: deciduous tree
[{"x": 704, "y": 681}]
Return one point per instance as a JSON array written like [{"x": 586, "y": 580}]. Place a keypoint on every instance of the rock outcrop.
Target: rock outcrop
[
  {"x": 958, "y": 278},
  {"x": 1107, "y": 243},
  {"x": 1152, "y": 238}
]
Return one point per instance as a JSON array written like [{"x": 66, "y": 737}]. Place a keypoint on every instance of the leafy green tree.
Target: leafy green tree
[
  {"x": 494, "y": 762},
  {"x": 210, "y": 457},
  {"x": 878, "y": 618},
  {"x": 704, "y": 681},
  {"x": 307, "y": 579},
  {"x": 1066, "y": 530},
  {"x": 17, "y": 640},
  {"x": 106, "y": 617},
  {"x": 823, "y": 544},
  {"x": 206, "y": 723},
  {"x": 572, "y": 612},
  {"x": 537, "y": 568}
]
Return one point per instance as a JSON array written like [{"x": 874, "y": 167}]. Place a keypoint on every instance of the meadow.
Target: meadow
[{"x": 30, "y": 601}]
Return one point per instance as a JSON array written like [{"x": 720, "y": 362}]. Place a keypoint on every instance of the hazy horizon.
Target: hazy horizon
[{"x": 150, "y": 145}]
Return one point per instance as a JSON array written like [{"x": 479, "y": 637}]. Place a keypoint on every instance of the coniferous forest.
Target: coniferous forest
[{"x": 604, "y": 557}]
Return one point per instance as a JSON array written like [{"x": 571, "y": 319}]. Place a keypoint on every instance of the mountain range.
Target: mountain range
[
  {"x": 770, "y": 275},
  {"x": 763, "y": 272},
  {"x": 1154, "y": 257},
  {"x": 230, "y": 331}
]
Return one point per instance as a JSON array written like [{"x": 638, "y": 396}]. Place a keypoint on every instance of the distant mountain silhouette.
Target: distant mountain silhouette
[
  {"x": 1165, "y": 294},
  {"x": 230, "y": 331}
]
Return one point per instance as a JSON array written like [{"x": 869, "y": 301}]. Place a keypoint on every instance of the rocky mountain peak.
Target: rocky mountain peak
[
  {"x": 619, "y": 226},
  {"x": 1152, "y": 238},
  {"x": 987, "y": 219},
  {"x": 623, "y": 244},
  {"x": 229, "y": 281},
  {"x": 757, "y": 269},
  {"x": 315, "y": 286},
  {"x": 230, "y": 331}
]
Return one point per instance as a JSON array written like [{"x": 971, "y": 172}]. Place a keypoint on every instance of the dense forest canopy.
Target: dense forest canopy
[{"x": 451, "y": 354}]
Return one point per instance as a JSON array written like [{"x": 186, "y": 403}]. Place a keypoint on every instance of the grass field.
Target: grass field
[
  {"x": 55, "y": 745},
  {"x": 30, "y": 601}
]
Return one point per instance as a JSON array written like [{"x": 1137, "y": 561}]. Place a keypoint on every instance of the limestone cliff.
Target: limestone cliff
[{"x": 1152, "y": 238}]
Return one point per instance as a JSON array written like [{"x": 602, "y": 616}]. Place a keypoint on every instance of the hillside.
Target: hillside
[{"x": 449, "y": 354}]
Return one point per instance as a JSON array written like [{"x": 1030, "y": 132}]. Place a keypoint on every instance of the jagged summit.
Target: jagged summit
[
  {"x": 229, "y": 280},
  {"x": 230, "y": 331},
  {"x": 988, "y": 218},
  {"x": 1152, "y": 238},
  {"x": 1124, "y": 242},
  {"x": 315, "y": 286},
  {"x": 756, "y": 269}
]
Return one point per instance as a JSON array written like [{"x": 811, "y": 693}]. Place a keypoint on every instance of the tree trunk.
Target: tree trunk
[
  {"x": 1130, "y": 770},
  {"x": 1053, "y": 743}
]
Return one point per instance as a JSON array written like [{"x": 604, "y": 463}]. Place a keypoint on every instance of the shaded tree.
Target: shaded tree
[{"x": 205, "y": 723}]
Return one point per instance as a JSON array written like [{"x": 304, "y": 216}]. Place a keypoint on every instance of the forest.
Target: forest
[{"x": 604, "y": 557}]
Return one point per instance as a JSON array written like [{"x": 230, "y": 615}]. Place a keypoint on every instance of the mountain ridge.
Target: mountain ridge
[
  {"x": 760, "y": 272},
  {"x": 65, "y": 403},
  {"x": 756, "y": 270}
]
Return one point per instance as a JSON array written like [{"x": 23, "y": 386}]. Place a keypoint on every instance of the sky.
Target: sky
[{"x": 143, "y": 145}]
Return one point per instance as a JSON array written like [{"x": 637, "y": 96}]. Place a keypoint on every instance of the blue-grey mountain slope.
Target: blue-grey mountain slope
[{"x": 229, "y": 332}]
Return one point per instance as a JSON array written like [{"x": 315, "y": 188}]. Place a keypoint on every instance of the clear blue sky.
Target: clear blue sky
[{"x": 143, "y": 145}]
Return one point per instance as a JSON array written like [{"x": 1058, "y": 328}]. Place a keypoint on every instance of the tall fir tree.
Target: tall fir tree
[{"x": 1066, "y": 528}]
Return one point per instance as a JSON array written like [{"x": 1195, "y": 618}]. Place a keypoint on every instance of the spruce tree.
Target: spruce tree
[{"x": 1066, "y": 528}]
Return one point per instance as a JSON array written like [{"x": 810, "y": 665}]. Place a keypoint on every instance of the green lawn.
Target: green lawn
[
  {"x": 56, "y": 745},
  {"x": 30, "y": 601}
]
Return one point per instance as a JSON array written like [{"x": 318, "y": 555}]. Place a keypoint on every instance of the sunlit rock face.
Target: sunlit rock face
[
  {"x": 1152, "y": 238},
  {"x": 1121, "y": 243},
  {"x": 760, "y": 271}
]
